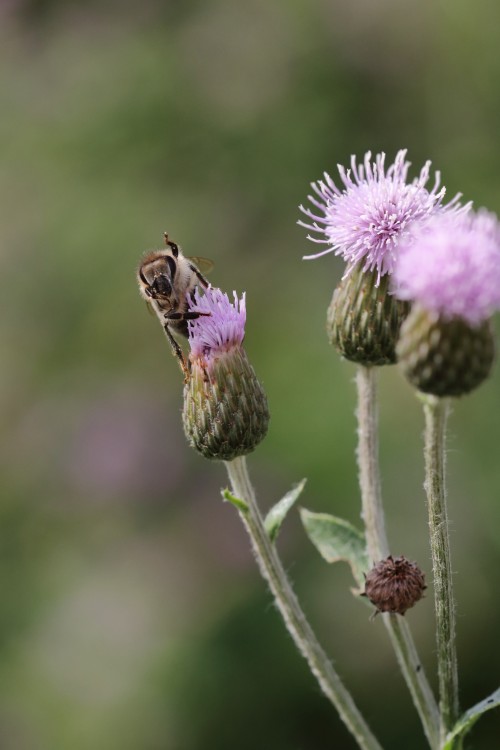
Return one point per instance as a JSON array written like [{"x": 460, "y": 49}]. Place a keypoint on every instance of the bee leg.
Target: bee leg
[
  {"x": 205, "y": 284},
  {"x": 185, "y": 316},
  {"x": 177, "y": 351}
]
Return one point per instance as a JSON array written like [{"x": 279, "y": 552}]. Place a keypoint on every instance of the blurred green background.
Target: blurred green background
[{"x": 131, "y": 612}]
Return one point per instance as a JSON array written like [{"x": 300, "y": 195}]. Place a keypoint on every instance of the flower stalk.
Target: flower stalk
[
  {"x": 295, "y": 620},
  {"x": 378, "y": 548},
  {"x": 436, "y": 412}
]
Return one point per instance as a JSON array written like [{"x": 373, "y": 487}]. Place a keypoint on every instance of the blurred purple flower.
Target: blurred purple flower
[
  {"x": 367, "y": 218},
  {"x": 451, "y": 266},
  {"x": 220, "y": 331},
  {"x": 116, "y": 451}
]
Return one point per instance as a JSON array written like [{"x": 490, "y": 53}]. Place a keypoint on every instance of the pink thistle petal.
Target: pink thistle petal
[
  {"x": 365, "y": 221},
  {"x": 221, "y": 330},
  {"x": 451, "y": 266}
]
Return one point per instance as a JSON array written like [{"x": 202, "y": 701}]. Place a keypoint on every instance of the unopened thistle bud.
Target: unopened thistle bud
[
  {"x": 394, "y": 585},
  {"x": 225, "y": 408},
  {"x": 450, "y": 268},
  {"x": 364, "y": 222}
]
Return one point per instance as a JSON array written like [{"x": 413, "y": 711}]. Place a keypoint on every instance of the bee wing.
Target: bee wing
[{"x": 203, "y": 264}]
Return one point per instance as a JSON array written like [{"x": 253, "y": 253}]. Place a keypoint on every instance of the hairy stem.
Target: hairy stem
[
  {"x": 295, "y": 620},
  {"x": 436, "y": 412},
  {"x": 378, "y": 549}
]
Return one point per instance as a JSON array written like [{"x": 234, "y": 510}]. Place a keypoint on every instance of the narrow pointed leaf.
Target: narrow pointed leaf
[
  {"x": 470, "y": 717},
  {"x": 278, "y": 512},
  {"x": 337, "y": 539},
  {"x": 236, "y": 501}
]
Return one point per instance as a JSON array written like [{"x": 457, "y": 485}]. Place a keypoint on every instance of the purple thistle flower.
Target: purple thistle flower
[
  {"x": 367, "y": 218},
  {"x": 225, "y": 412},
  {"x": 450, "y": 265},
  {"x": 220, "y": 331}
]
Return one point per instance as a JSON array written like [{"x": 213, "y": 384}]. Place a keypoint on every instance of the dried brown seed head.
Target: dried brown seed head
[{"x": 394, "y": 585}]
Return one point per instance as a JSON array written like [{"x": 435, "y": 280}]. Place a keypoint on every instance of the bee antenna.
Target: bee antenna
[{"x": 172, "y": 245}]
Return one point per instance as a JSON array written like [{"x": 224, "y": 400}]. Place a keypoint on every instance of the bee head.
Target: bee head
[{"x": 161, "y": 287}]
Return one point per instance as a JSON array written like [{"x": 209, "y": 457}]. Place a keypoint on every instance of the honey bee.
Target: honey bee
[{"x": 167, "y": 281}]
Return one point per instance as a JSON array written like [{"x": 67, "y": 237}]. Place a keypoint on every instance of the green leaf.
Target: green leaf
[
  {"x": 278, "y": 512},
  {"x": 236, "y": 501},
  {"x": 336, "y": 539},
  {"x": 469, "y": 718}
]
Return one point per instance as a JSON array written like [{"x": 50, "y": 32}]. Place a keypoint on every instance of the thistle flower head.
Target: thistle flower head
[
  {"x": 450, "y": 265},
  {"x": 225, "y": 411},
  {"x": 221, "y": 329},
  {"x": 366, "y": 219}
]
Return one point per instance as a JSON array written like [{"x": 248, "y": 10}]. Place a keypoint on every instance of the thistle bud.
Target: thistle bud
[
  {"x": 225, "y": 411},
  {"x": 394, "y": 585},
  {"x": 450, "y": 268},
  {"x": 445, "y": 357},
  {"x": 364, "y": 320}
]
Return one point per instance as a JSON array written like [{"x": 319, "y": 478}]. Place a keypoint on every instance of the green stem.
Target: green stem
[
  {"x": 436, "y": 412},
  {"x": 378, "y": 549},
  {"x": 295, "y": 620},
  {"x": 369, "y": 474}
]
